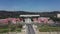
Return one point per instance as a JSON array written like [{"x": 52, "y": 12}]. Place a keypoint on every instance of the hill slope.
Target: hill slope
[{"x": 5, "y": 14}]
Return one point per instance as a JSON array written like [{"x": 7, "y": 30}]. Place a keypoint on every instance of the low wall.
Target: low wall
[{"x": 48, "y": 33}]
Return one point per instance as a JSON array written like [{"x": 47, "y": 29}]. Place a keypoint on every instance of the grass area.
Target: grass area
[
  {"x": 3, "y": 29},
  {"x": 12, "y": 29},
  {"x": 47, "y": 28}
]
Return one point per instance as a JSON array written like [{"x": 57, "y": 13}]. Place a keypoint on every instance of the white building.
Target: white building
[
  {"x": 58, "y": 15},
  {"x": 28, "y": 19}
]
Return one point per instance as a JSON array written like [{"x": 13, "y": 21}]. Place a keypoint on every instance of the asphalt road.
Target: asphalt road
[{"x": 30, "y": 29}]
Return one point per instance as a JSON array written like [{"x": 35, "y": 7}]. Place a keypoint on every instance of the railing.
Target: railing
[{"x": 48, "y": 33}]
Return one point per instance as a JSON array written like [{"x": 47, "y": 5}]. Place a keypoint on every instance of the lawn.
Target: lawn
[
  {"x": 47, "y": 28},
  {"x": 12, "y": 29}
]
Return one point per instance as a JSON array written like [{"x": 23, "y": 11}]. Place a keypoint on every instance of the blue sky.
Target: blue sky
[{"x": 30, "y": 5}]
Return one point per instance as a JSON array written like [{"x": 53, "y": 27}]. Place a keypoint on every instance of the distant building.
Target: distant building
[{"x": 58, "y": 15}]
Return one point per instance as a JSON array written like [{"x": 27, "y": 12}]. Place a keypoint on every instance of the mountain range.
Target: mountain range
[{"x": 6, "y": 14}]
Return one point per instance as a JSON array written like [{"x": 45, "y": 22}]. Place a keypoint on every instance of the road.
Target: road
[{"x": 30, "y": 29}]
